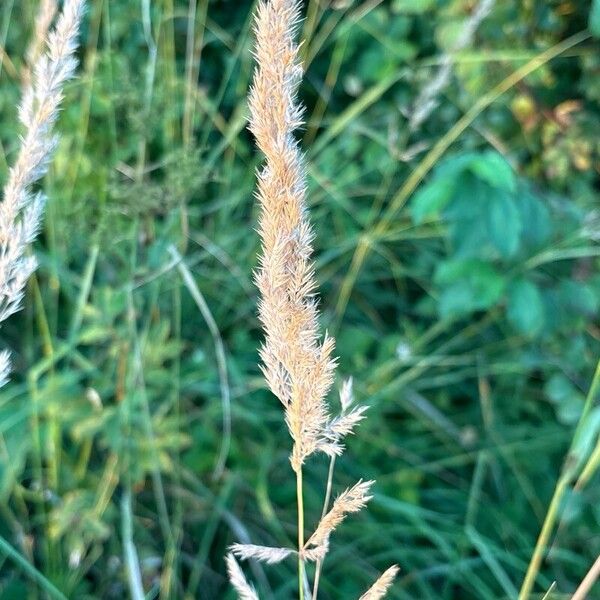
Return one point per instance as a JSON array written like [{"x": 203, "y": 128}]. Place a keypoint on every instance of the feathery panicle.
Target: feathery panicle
[
  {"x": 340, "y": 427},
  {"x": 21, "y": 209},
  {"x": 297, "y": 363},
  {"x": 43, "y": 20},
  {"x": 236, "y": 577},
  {"x": 263, "y": 553},
  {"x": 298, "y": 366},
  {"x": 379, "y": 589},
  {"x": 350, "y": 501}
]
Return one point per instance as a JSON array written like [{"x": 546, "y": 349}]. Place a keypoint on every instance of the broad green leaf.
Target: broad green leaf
[
  {"x": 536, "y": 217},
  {"x": 504, "y": 223},
  {"x": 525, "y": 307},
  {"x": 466, "y": 214},
  {"x": 495, "y": 170},
  {"x": 579, "y": 297},
  {"x": 456, "y": 300},
  {"x": 454, "y": 165},
  {"x": 566, "y": 397},
  {"x": 432, "y": 198},
  {"x": 470, "y": 284}
]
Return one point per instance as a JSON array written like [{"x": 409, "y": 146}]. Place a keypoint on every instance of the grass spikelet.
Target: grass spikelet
[
  {"x": 350, "y": 501},
  {"x": 382, "y": 585},
  {"x": 263, "y": 553},
  {"x": 244, "y": 590},
  {"x": 21, "y": 208}
]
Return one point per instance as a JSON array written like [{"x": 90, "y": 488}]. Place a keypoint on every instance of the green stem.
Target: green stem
[
  {"x": 323, "y": 513},
  {"x": 542, "y": 541},
  {"x": 300, "y": 500},
  {"x": 7, "y": 550},
  {"x": 569, "y": 473}
]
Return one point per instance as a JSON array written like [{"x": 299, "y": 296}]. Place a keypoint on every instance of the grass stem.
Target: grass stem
[
  {"x": 326, "y": 502},
  {"x": 567, "y": 475},
  {"x": 300, "y": 500}
]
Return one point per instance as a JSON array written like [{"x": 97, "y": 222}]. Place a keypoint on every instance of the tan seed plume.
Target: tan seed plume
[
  {"x": 298, "y": 366},
  {"x": 297, "y": 363},
  {"x": 262, "y": 553},
  {"x": 21, "y": 208}
]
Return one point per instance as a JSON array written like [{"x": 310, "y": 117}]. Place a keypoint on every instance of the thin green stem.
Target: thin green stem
[
  {"x": 300, "y": 500},
  {"x": 572, "y": 465},
  {"x": 542, "y": 542},
  {"x": 326, "y": 502},
  {"x": 7, "y": 550}
]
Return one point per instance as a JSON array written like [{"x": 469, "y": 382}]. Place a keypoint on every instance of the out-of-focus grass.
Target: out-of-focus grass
[{"x": 112, "y": 426}]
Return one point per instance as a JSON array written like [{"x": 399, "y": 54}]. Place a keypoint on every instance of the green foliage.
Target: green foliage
[
  {"x": 500, "y": 232},
  {"x": 471, "y": 330},
  {"x": 526, "y": 307},
  {"x": 594, "y": 22}
]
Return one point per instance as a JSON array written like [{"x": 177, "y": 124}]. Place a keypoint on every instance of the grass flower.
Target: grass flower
[
  {"x": 297, "y": 362},
  {"x": 21, "y": 207}
]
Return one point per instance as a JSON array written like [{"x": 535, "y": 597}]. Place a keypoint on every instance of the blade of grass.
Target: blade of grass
[
  {"x": 132, "y": 562},
  {"x": 200, "y": 301},
  {"x": 30, "y": 570},
  {"x": 588, "y": 582}
]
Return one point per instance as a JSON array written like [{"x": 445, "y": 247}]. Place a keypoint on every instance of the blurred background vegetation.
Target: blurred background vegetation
[{"x": 458, "y": 265}]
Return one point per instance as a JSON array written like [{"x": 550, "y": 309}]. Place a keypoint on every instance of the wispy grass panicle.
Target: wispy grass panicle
[
  {"x": 298, "y": 365},
  {"x": 21, "y": 207},
  {"x": 350, "y": 501},
  {"x": 297, "y": 361}
]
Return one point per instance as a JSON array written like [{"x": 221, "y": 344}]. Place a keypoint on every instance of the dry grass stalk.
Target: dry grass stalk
[
  {"x": 21, "y": 208},
  {"x": 427, "y": 100},
  {"x": 298, "y": 364}
]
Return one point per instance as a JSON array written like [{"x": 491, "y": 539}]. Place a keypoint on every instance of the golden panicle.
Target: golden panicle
[
  {"x": 379, "y": 589},
  {"x": 236, "y": 577},
  {"x": 350, "y": 501},
  {"x": 298, "y": 366},
  {"x": 21, "y": 208},
  {"x": 297, "y": 363}
]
